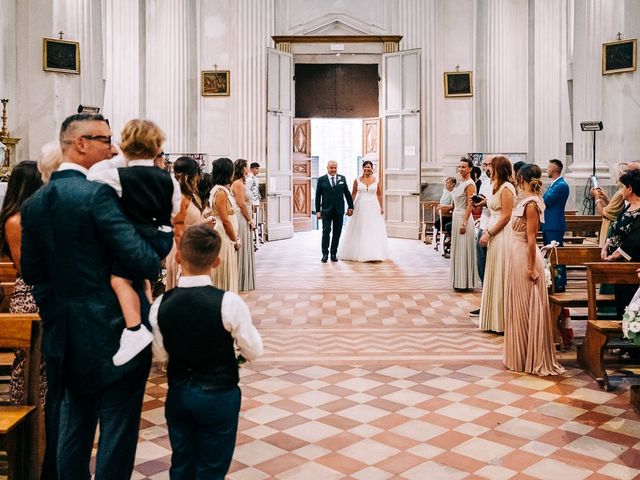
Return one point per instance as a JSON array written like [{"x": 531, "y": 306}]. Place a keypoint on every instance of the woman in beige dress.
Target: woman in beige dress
[
  {"x": 246, "y": 260},
  {"x": 528, "y": 337},
  {"x": 187, "y": 173},
  {"x": 497, "y": 238},
  {"x": 463, "y": 274},
  {"x": 224, "y": 209}
]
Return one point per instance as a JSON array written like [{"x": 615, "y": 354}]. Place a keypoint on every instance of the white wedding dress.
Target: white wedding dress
[{"x": 365, "y": 236}]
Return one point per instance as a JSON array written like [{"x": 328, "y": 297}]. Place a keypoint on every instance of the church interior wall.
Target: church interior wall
[{"x": 536, "y": 66}]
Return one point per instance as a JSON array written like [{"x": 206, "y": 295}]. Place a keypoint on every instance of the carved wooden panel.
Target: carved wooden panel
[
  {"x": 301, "y": 197},
  {"x": 301, "y": 205},
  {"x": 302, "y": 168},
  {"x": 302, "y": 137},
  {"x": 371, "y": 137}
]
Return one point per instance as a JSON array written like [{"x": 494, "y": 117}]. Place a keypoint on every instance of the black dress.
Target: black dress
[{"x": 625, "y": 238}]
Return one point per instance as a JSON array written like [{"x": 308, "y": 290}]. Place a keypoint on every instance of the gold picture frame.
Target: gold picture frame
[
  {"x": 62, "y": 56},
  {"x": 216, "y": 83},
  {"x": 619, "y": 56},
  {"x": 458, "y": 84}
]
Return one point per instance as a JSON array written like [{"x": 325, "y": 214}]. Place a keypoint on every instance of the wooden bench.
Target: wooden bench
[
  {"x": 583, "y": 223},
  {"x": 7, "y": 282},
  {"x": 604, "y": 334},
  {"x": 574, "y": 296},
  {"x": 21, "y": 427},
  {"x": 428, "y": 214}
]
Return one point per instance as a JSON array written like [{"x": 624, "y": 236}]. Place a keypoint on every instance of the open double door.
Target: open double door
[{"x": 288, "y": 184}]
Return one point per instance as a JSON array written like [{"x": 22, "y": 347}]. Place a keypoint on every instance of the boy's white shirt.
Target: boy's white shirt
[
  {"x": 236, "y": 319},
  {"x": 106, "y": 172}
]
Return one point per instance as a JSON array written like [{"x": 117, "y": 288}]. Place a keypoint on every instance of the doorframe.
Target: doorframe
[{"x": 387, "y": 44}]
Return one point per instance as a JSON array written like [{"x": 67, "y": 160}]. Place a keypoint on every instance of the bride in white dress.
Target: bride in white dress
[{"x": 365, "y": 237}]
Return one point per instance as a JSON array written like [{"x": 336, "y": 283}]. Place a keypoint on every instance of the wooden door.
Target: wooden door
[
  {"x": 301, "y": 174},
  {"x": 401, "y": 147},
  {"x": 371, "y": 145},
  {"x": 278, "y": 165}
]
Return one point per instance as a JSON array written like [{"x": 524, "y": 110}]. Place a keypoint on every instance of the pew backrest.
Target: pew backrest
[
  {"x": 583, "y": 223},
  {"x": 7, "y": 271},
  {"x": 23, "y": 331},
  {"x": 613, "y": 273}
]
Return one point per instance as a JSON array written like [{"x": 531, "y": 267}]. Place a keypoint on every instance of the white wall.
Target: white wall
[{"x": 144, "y": 57}]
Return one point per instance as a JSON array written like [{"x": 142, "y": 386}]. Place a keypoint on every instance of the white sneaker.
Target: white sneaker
[{"x": 131, "y": 344}]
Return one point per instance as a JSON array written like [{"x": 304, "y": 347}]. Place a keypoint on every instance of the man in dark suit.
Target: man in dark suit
[
  {"x": 331, "y": 192},
  {"x": 554, "y": 226},
  {"x": 72, "y": 232}
]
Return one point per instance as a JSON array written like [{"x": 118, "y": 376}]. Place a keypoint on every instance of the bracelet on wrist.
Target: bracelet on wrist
[{"x": 490, "y": 233}]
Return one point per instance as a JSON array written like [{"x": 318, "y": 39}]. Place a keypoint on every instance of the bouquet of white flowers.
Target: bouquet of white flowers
[
  {"x": 631, "y": 320},
  {"x": 547, "y": 251}
]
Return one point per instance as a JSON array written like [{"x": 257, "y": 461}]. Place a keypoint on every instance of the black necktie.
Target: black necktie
[{"x": 333, "y": 182}]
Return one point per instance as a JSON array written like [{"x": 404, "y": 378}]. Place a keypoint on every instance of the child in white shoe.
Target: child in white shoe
[{"x": 150, "y": 197}]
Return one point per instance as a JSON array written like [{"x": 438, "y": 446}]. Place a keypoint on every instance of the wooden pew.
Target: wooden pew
[
  {"x": 21, "y": 427},
  {"x": 583, "y": 223},
  {"x": 7, "y": 271},
  {"x": 574, "y": 296},
  {"x": 604, "y": 334}
]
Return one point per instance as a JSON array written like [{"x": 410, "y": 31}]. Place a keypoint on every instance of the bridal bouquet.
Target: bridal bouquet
[{"x": 631, "y": 320}]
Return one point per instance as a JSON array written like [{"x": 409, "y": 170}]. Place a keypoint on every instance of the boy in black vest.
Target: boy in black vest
[
  {"x": 199, "y": 327},
  {"x": 149, "y": 197}
]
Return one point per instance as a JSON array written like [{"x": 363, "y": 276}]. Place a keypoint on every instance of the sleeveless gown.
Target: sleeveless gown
[
  {"x": 225, "y": 277},
  {"x": 464, "y": 272},
  {"x": 246, "y": 261},
  {"x": 193, "y": 217},
  {"x": 496, "y": 267},
  {"x": 528, "y": 337},
  {"x": 365, "y": 236}
]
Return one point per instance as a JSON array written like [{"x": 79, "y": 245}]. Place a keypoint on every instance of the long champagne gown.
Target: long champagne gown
[
  {"x": 225, "y": 277},
  {"x": 528, "y": 337},
  {"x": 496, "y": 267},
  {"x": 246, "y": 260},
  {"x": 463, "y": 274},
  {"x": 193, "y": 217}
]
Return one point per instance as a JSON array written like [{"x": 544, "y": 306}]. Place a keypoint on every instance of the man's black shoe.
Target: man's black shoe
[
  {"x": 324, "y": 258},
  {"x": 334, "y": 258}
]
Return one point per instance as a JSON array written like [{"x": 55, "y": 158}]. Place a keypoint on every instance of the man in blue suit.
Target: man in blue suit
[
  {"x": 72, "y": 232},
  {"x": 554, "y": 226},
  {"x": 331, "y": 192}
]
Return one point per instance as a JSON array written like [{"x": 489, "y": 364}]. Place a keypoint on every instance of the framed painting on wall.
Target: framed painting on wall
[
  {"x": 458, "y": 84},
  {"x": 620, "y": 56},
  {"x": 216, "y": 83},
  {"x": 61, "y": 56}
]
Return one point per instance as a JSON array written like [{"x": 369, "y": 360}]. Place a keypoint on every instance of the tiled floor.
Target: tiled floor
[{"x": 376, "y": 371}]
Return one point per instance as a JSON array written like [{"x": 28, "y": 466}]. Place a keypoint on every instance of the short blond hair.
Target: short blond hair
[
  {"x": 49, "y": 160},
  {"x": 141, "y": 139}
]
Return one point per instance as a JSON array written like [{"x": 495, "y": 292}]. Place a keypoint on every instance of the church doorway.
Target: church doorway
[
  {"x": 335, "y": 98},
  {"x": 382, "y": 89}
]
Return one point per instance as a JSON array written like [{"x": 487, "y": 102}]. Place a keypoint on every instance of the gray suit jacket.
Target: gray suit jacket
[{"x": 72, "y": 231}]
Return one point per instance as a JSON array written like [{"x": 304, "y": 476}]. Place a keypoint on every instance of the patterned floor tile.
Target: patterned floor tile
[{"x": 376, "y": 371}]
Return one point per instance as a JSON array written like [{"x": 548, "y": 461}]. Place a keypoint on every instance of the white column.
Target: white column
[
  {"x": 502, "y": 81},
  {"x": 596, "y": 22},
  {"x": 122, "y": 62},
  {"x": 249, "y": 41},
  {"x": 550, "y": 126},
  {"x": 418, "y": 20},
  {"x": 171, "y": 75},
  {"x": 8, "y": 65}
]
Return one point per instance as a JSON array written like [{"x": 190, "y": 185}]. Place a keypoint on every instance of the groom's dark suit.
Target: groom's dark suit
[
  {"x": 72, "y": 232},
  {"x": 330, "y": 203}
]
